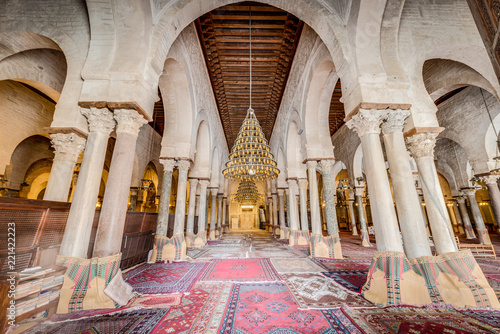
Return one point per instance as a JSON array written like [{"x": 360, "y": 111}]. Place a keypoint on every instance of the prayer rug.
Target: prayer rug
[
  {"x": 224, "y": 255},
  {"x": 489, "y": 266},
  {"x": 491, "y": 317},
  {"x": 389, "y": 319},
  {"x": 283, "y": 241},
  {"x": 269, "y": 308},
  {"x": 213, "y": 242},
  {"x": 295, "y": 266},
  {"x": 154, "y": 278},
  {"x": 336, "y": 265},
  {"x": 269, "y": 249},
  {"x": 135, "y": 321},
  {"x": 159, "y": 301},
  {"x": 290, "y": 253},
  {"x": 199, "y": 312},
  {"x": 195, "y": 253},
  {"x": 226, "y": 249},
  {"x": 493, "y": 280},
  {"x": 349, "y": 279},
  {"x": 240, "y": 270},
  {"x": 312, "y": 290}
]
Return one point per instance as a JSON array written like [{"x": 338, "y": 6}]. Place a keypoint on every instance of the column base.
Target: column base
[
  {"x": 460, "y": 230},
  {"x": 365, "y": 239},
  {"x": 276, "y": 230},
  {"x": 483, "y": 236},
  {"x": 169, "y": 248},
  {"x": 91, "y": 284},
  {"x": 469, "y": 232},
  {"x": 391, "y": 281},
  {"x": 455, "y": 278},
  {"x": 218, "y": 231},
  {"x": 299, "y": 238},
  {"x": 196, "y": 240},
  {"x": 328, "y": 247},
  {"x": 285, "y": 233},
  {"x": 212, "y": 235}
]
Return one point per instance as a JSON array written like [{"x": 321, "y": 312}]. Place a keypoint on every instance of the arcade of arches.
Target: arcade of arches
[{"x": 118, "y": 118}]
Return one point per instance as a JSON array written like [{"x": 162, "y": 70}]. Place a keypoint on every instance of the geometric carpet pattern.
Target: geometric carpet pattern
[
  {"x": 240, "y": 270},
  {"x": 349, "y": 279}
]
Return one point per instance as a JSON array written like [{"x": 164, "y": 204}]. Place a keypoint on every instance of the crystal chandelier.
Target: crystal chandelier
[
  {"x": 247, "y": 192},
  {"x": 251, "y": 155}
]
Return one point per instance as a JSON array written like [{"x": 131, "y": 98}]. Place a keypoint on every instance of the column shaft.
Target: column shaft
[
  {"x": 193, "y": 183},
  {"x": 314, "y": 197},
  {"x": 469, "y": 231},
  {"x": 166, "y": 189},
  {"x": 281, "y": 198},
  {"x": 365, "y": 237},
  {"x": 329, "y": 195},
  {"x": 180, "y": 203},
  {"x": 354, "y": 228},
  {"x": 219, "y": 210},
  {"x": 81, "y": 214},
  {"x": 482, "y": 232},
  {"x": 494, "y": 192},
  {"x": 275, "y": 209},
  {"x": 213, "y": 209},
  {"x": 293, "y": 209},
  {"x": 304, "y": 221},
  {"x": 202, "y": 211}
]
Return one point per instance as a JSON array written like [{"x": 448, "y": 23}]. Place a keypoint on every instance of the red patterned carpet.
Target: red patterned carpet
[{"x": 240, "y": 270}]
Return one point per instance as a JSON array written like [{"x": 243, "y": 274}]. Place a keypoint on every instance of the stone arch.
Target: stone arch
[
  {"x": 447, "y": 173},
  {"x": 317, "y": 106},
  {"x": 177, "y": 103},
  {"x": 35, "y": 178},
  {"x": 201, "y": 165}
]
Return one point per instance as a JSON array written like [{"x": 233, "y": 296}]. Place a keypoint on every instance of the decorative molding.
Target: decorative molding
[
  {"x": 376, "y": 106},
  {"x": 116, "y": 105},
  {"x": 490, "y": 179},
  {"x": 76, "y": 131}
]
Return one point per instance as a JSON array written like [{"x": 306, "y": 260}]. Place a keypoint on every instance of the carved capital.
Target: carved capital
[
  {"x": 359, "y": 191},
  {"x": 395, "y": 121},
  {"x": 204, "y": 183},
  {"x": 281, "y": 192},
  {"x": 67, "y": 146},
  {"x": 367, "y": 121},
  {"x": 129, "y": 121},
  {"x": 461, "y": 200},
  {"x": 99, "y": 119},
  {"x": 183, "y": 165},
  {"x": 214, "y": 191},
  {"x": 302, "y": 183},
  {"x": 311, "y": 164},
  {"x": 326, "y": 165},
  {"x": 490, "y": 179},
  {"x": 168, "y": 165},
  {"x": 292, "y": 185},
  {"x": 193, "y": 183},
  {"x": 421, "y": 144},
  {"x": 469, "y": 191}
]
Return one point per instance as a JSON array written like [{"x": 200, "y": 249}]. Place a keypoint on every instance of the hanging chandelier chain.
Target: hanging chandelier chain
[{"x": 250, "y": 28}]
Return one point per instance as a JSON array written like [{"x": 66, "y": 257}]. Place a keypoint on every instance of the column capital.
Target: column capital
[
  {"x": 395, "y": 121},
  {"x": 183, "y": 165},
  {"x": 67, "y": 146},
  {"x": 490, "y": 179},
  {"x": 193, "y": 182},
  {"x": 461, "y": 200},
  {"x": 129, "y": 121},
  {"x": 422, "y": 144},
  {"x": 359, "y": 191},
  {"x": 214, "y": 190},
  {"x": 469, "y": 191},
  {"x": 292, "y": 184},
  {"x": 302, "y": 183},
  {"x": 367, "y": 121},
  {"x": 219, "y": 195},
  {"x": 168, "y": 164},
  {"x": 281, "y": 192},
  {"x": 326, "y": 165},
  {"x": 99, "y": 119},
  {"x": 311, "y": 164},
  {"x": 204, "y": 183}
]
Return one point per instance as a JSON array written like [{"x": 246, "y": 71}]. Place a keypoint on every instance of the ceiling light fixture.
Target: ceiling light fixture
[{"x": 251, "y": 155}]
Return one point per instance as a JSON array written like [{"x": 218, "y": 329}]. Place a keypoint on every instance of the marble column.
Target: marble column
[
  {"x": 281, "y": 199},
  {"x": 271, "y": 214},
  {"x": 219, "y": 214},
  {"x": 180, "y": 203},
  {"x": 314, "y": 197},
  {"x": 367, "y": 124},
  {"x": 133, "y": 199},
  {"x": 213, "y": 209},
  {"x": 421, "y": 147},
  {"x": 293, "y": 208},
  {"x": 202, "y": 210},
  {"x": 460, "y": 222},
  {"x": 108, "y": 240},
  {"x": 304, "y": 221},
  {"x": 424, "y": 214},
  {"x": 275, "y": 209},
  {"x": 482, "y": 232},
  {"x": 166, "y": 189},
  {"x": 494, "y": 192},
  {"x": 193, "y": 183},
  {"x": 408, "y": 206},
  {"x": 352, "y": 218},
  {"x": 67, "y": 149},
  {"x": 365, "y": 238},
  {"x": 76, "y": 236},
  {"x": 329, "y": 195},
  {"x": 287, "y": 196},
  {"x": 224, "y": 212},
  {"x": 469, "y": 231},
  {"x": 451, "y": 212}
]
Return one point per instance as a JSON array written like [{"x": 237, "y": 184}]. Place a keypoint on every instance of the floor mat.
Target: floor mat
[
  {"x": 269, "y": 308},
  {"x": 312, "y": 290},
  {"x": 158, "y": 301},
  {"x": 335, "y": 265},
  {"x": 388, "y": 320},
  {"x": 240, "y": 270},
  {"x": 491, "y": 317},
  {"x": 295, "y": 266},
  {"x": 159, "y": 277},
  {"x": 349, "y": 279},
  {"x": 291, "y": 253}
]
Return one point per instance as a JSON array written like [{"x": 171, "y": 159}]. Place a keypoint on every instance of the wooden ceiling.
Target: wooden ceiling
[{"x": 224, "y": 38}]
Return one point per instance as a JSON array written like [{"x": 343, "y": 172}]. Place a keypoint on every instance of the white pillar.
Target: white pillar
[
  {"x": 329, "y": 195},
  {"x": 469, "y": 231},
  {"x": 293, "y": 209},
  {"x": 408, "y": 206},
  {"x": 281, "y": 193},
  {"x": 67, "y": 149},
  {"x": 224, "y": 210},
  {"x": 460, "y": 222},
  {"x": 482, "y": 232},
  {"x": 213, "y": 208},
  {"x": 180, "y": 203},
  {"x": 365, "y": 237},
  {"x": 108, "y": 240},
  {"x": 314, "y": 197},
  {"x": 81, "y": 214},
  {"x": 166, "y": 189},
  {"x": 354, "y": 228},
  {"x": 494, "y": 192},
  {"x": 304, "y": 221},
  {"x": 202, "y": 211},
  {"x": 275, "y": 209},
  {"x": 193, "y": 183},
  {"x": 367, "y": 124},
  {"x": 421, "y": 147}
]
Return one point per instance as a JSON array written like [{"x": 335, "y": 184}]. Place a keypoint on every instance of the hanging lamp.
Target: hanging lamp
[
  {"x": 251, "y": 155},
  {"x": 247, "y": 192}
]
